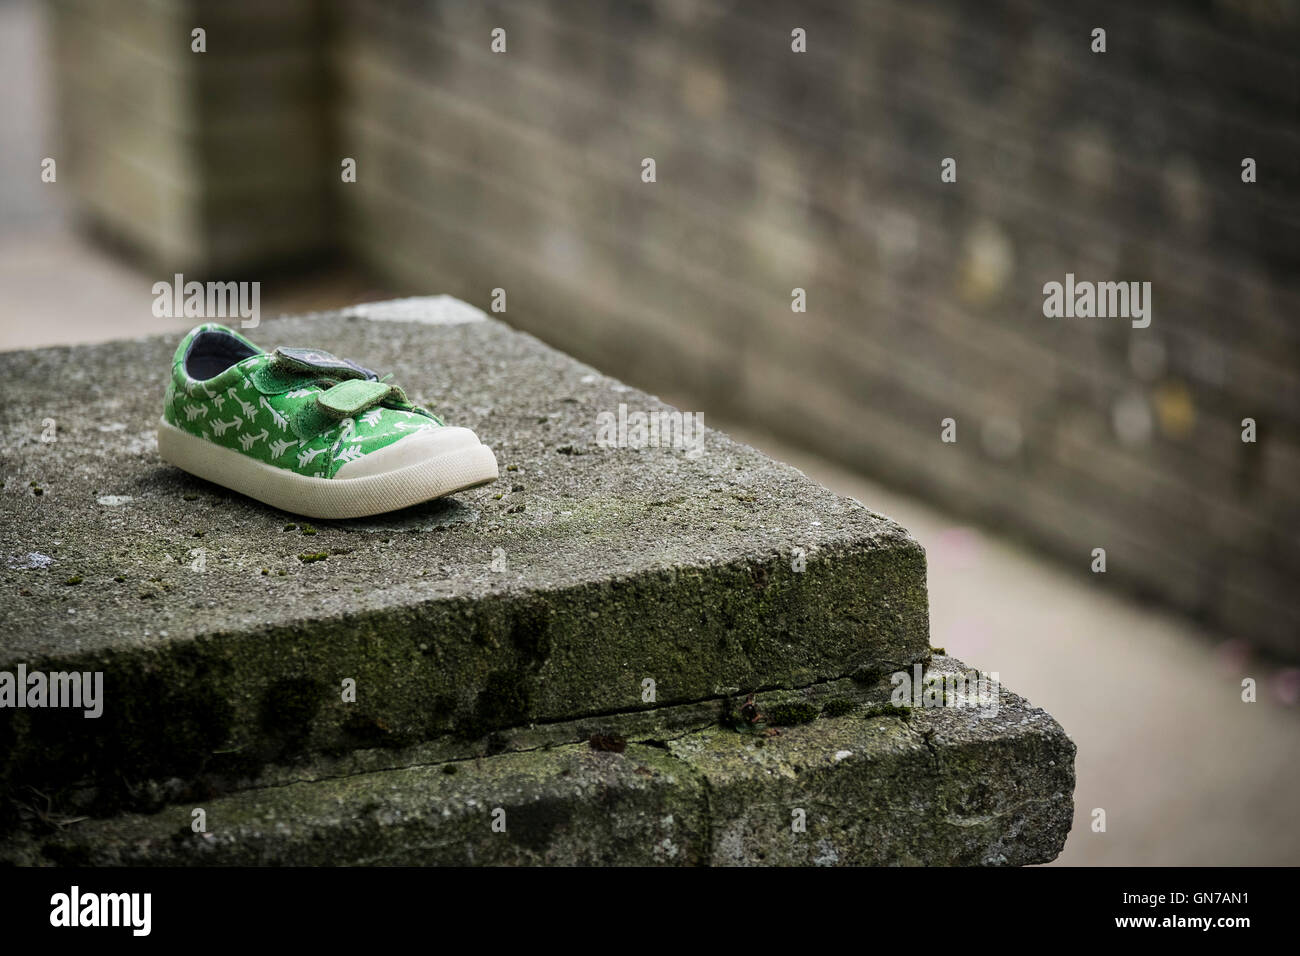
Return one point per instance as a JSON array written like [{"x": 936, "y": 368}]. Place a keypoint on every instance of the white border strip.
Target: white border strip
[{"x": 426, "y": 309}]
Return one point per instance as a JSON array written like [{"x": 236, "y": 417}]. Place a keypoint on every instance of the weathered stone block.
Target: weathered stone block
[
  {"x": 947, "y": 785},
  {"x": 556, "y": 593}
]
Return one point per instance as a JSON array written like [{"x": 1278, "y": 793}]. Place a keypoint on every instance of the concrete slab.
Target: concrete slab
[
  {"x": 944, "y": 785},
  {"x": 225, "y": 630}
]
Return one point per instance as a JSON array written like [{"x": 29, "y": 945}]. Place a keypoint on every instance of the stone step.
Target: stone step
[
  {"x": 847, "y": 780},
  {"x": 587, "y": 581}
]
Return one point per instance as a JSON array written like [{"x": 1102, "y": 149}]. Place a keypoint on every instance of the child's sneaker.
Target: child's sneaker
[{"x": 304, "y": 431}]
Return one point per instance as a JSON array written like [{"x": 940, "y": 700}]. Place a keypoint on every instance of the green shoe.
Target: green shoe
[{"x": 306, "y": 432}]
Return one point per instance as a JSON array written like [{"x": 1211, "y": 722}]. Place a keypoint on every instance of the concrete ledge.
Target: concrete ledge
[
  {"x": 620, "y": 566},
  {"x": 947, "y": 785}
]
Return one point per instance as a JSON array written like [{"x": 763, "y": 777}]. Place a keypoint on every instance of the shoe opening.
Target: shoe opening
[{"x": 213, "y": 351}]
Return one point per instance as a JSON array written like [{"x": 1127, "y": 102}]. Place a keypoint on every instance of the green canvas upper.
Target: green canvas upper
[{"x": 300, "y": 409}]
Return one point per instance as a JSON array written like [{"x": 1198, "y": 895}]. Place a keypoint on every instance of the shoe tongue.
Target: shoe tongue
[{"x": 318, "y": 360}]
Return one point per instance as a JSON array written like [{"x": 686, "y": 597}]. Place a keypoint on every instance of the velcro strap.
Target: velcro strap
[
  {"x": 355, "y": 395},
  {"x": 290, "y": 368},
  {"x": 320, "y": 361}
]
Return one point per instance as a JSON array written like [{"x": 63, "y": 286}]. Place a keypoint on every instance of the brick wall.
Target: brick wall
[
  {"x": 203, "y": 162},
  {"x": 821, "y": 171}
]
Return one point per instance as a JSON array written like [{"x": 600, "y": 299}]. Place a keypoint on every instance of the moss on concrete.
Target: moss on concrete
[
  {"x": 952, "y": 788},
  {"x": 787, "y": 715},
  {"x": 839, "y": 706}
]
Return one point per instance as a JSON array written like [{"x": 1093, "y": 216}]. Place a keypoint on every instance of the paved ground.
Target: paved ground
[{"x": 1186, "y": 772}]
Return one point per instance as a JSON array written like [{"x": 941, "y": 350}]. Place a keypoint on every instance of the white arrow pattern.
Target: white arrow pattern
[
  {"x": 247, "y": 441},
  {"x": 308, "y": 455},
  {"x": 250, "y": 411},
  {"x": 276, "y": 417},
  {"x": 279, "y": 447}
]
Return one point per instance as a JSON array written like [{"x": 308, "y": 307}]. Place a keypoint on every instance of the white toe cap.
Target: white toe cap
[{"x": 415, "y": 448}]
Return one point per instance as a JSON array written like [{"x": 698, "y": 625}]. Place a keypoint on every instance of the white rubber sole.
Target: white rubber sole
[{"x": 455, "y": 462}]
